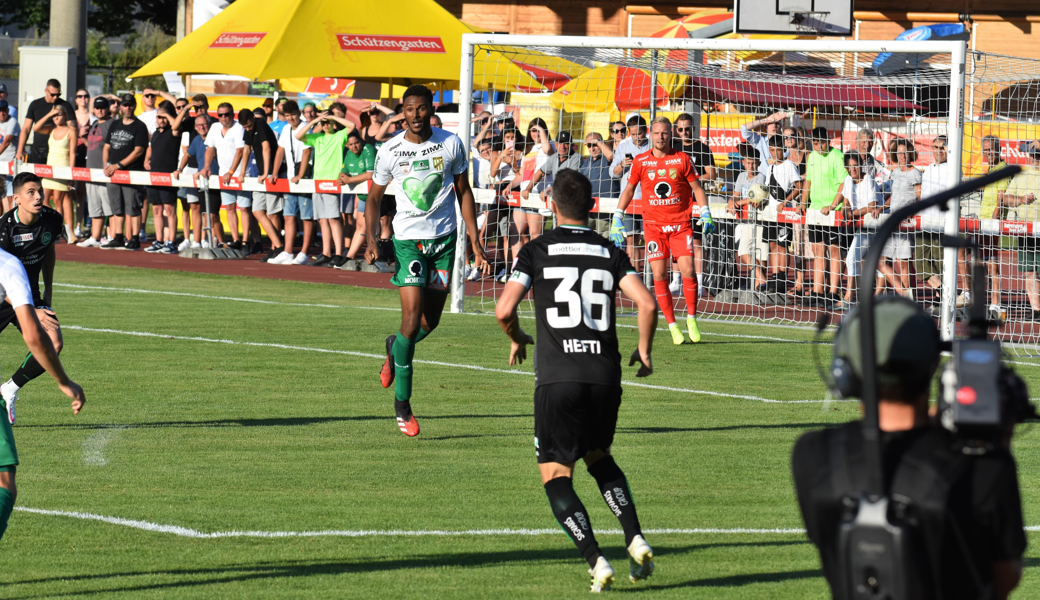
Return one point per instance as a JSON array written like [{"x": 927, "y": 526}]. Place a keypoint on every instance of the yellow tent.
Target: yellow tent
[
  {"x": 610, "y": 88},
  {"x": 410, "y": 41}
]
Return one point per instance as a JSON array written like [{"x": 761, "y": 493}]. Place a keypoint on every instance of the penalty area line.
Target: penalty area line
[
  {"x": 419, "y": 361},
  {"x": 360, "y": 533}
]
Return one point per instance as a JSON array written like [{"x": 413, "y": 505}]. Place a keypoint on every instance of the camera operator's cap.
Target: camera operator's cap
[
  {"x": 905, "y": 334},
  {"x": 564, "y": 137},
  {"x": 100, "y": 102},
  {"x": 128, "y": 100}
]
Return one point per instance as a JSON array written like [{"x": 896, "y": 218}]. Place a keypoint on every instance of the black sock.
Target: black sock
[
  {"x": 30, "y": 369},
  {"x": 614, "y": 487},
  {"x": 573, "y": 518}
]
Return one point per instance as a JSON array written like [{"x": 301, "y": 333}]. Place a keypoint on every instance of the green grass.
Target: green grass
[{"x": 219, "y": 437}]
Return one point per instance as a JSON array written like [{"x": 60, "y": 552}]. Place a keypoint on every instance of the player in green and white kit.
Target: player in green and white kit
[{"x": 429, "y": 166}]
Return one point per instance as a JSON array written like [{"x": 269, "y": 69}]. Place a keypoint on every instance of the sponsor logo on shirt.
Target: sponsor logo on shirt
[
  {"x": 662, "y": 172},
  {"x": 432, "y": 149},
  {"x": 22, "y": 238},
  {"x": 662, "y": 190},
  {"x": 421, "y": 165},
  {"x": 579, "y": 249},
  {"x": 238, "y": 40},
  {"x": 390, "y": 43},
  {"x": 673, "y": 161},
  {"x": 438, "y": 163},
  {"x": 651, "y": 175},
  {"x": 405, "y": 153},
  {"x": 673, "y": 173},
  {"x": 45, "y": 238},
  {"x": 405, "y": 167}
]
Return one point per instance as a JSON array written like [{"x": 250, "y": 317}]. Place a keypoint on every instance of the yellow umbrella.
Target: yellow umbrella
[
  {"x": 612, "y": 87},
  {"x": 261, "y": 40}
]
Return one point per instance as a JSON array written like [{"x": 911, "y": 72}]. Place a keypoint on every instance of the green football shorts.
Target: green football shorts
[
  {"x": 425, "y": 263},
  {"x": 8, "y": 454}
]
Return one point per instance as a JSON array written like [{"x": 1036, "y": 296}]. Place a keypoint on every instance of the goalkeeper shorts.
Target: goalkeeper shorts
[{"x": 665, "y": 240}]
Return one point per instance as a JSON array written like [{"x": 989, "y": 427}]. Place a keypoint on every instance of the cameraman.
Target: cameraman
[{"x": 974, "y": 545}]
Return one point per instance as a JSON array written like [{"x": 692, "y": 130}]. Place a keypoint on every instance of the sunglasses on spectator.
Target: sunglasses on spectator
[
  {"x": 938, "y": 147},
  {"x": 87, "y": 96},
  {"x": 617, "y": 131},
  {"x": 683, "y": 128},
  {"x": 148, "y": 95},
  {"x": 224, "y": 114}
]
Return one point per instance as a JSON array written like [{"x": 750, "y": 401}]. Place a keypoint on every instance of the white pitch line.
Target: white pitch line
[
  {"x": 356, "y": 533},
  {"x": 340, "y": 306},
  {"x": 426, "y": 362},
  {"x": 94, "y": 446}
]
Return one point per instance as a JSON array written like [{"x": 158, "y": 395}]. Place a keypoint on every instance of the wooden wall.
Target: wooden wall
[{"x": 609, "y": 18}]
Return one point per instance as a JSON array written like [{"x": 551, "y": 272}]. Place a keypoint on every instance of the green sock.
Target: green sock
[
  {"x": 403, "y": 350},
  {"x": 422, "y": 335},
  {"x": 6, "y": 506}
]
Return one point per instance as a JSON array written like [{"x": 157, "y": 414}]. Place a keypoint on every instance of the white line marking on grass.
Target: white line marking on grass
[
  {"x": 194, "y": 533},
  {"x": 88, "y": 288},
  {"x": 426, "y": 362},
  {"x": 94, "y": 446}
]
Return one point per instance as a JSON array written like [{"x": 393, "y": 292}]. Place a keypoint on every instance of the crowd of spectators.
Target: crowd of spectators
[
  {"x": 778, "y": 168},
  {"x": 181, "y": 136}
]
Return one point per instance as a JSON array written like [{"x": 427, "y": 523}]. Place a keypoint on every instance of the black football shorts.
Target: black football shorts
[{"x": 573, "y": 419}]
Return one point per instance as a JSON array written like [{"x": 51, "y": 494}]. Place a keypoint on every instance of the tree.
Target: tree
[{"x": 111, "y": 18}]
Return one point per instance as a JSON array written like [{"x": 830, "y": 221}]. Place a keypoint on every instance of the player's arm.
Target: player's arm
[
  {"x": 375, "y": 196},
  {"x": 468, "y": 207},
  {"x": 632, "y": 286},
  {"x": 246, "y": 152},
  {"x": 27, "y": 126},
  {"x": 42, "y": 349},
  {"x": 617, "y": 222},
  {"x": 505, "y": 312}
]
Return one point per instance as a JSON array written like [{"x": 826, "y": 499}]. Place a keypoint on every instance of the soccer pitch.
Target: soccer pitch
[{"x": 236, "y": 443}]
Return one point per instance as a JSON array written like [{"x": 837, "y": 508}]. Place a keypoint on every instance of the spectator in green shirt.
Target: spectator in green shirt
[
  {"x": 328, "y": 161},
  {"x": 358, "y": 164},
  {"x": 824, "y": 174}
]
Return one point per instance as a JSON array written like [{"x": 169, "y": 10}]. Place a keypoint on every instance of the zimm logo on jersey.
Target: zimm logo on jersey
[
  {"x": 432, "y": 149},
  {"x": 582, "y": 346},
  {"x": 405, "y": 153},
  {"x": 673, "y": 161}
]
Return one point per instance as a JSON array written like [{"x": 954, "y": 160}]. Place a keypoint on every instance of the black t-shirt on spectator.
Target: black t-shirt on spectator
[
  {"x": 255, "y": 140},
  {"x": 983, "y": 502},
  {"x": 38, "y": 109},
  {"x": 165, "y": 149},
  {"x": 699, "y": 153},
  {"x": 123, "y": 139}
]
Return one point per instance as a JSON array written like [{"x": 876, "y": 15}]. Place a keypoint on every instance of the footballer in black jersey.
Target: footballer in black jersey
[
  {"x": 575, "y": 274},
  {"x": 29, "y": 232}
]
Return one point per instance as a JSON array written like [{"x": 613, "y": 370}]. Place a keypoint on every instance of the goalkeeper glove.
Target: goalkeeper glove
[
  {"x": 705, "y": 221},
  {"x": 617, "y": 229}
]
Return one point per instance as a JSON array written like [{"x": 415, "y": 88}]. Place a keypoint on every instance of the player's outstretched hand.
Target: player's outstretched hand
[
  {"x": 706, "y": 222},
  {"x": 518, "y": 352},
  {"x": 480, "y": 260},
  {"x": 617, "y": 230},
  {"x": 72, "y": 390},
  {"x": 371, "y": 254},
  {"x": 646, "y": 366}
]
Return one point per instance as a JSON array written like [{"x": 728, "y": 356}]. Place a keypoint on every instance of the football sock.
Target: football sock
[
  {"x": 664, "y": 300},
  {"x": 421, "y": 335},
  {"x": 403, "y": 351},
  {"x": 30, "y": 369},
  {"x": 689, "y": 290},
  {"x": 570, "y": 513},
  {"x": 6, "y": 506},
  {"x": 614, "y": 487}
]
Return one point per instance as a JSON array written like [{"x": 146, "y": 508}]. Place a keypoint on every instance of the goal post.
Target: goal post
[{"x": 724, "y": 84}]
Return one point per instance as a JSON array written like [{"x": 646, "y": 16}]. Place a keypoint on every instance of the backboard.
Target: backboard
[{"x": 794, "y": 17}]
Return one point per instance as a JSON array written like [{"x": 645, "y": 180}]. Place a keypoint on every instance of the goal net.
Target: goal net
[{"x": 891, "y": 122}]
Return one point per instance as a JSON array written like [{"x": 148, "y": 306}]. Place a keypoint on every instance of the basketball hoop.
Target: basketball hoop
[{"x": 809, "y": 21}]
